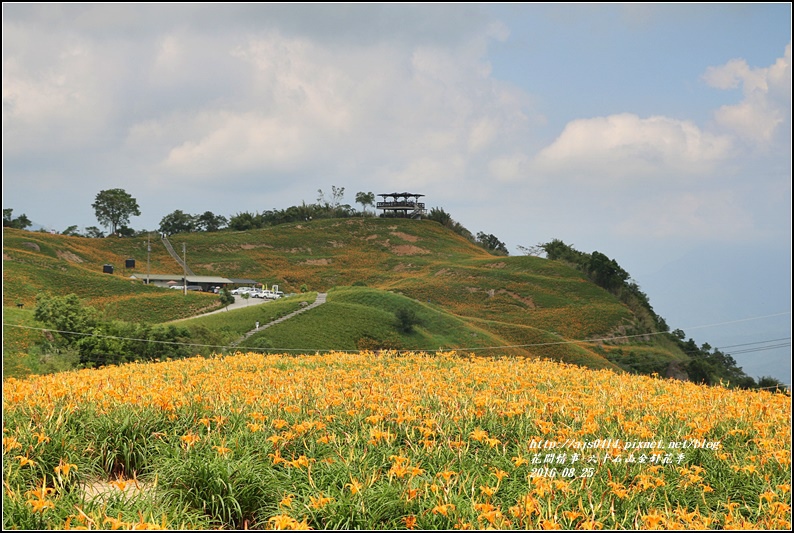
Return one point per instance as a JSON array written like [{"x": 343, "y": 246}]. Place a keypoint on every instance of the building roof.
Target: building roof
[
  {"x": 401, "y": 194},
  {"x": 190, "y": 279}
]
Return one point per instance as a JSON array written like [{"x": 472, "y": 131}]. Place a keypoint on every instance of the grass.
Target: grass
[
  {"x": 387, "y": 441},
  {"x": 464, "y": 297}
]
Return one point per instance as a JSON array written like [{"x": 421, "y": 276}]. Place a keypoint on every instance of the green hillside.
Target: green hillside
[{"x": 461, "y": 296}]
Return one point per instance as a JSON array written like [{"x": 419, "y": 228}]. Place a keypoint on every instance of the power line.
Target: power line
[
  {"x": 761, "y": 349},
  {"x": 473, "y": 349},
  {"x": 751, "y": 343},
  {"x": 740, "y": 320}
]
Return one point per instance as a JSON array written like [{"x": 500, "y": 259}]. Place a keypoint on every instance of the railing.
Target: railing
[
  {"x": 400, "y": 205},
  {"x": 175, "y": 255}
]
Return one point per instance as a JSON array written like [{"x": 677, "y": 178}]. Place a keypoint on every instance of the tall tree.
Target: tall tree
[
  {"x": 491, "y": 243},
  {"x": 93, "y": 232},
  {"x": 211, "y": 222},
  {"x": 21, "y": 222},
  {"x": 114, "y": 207},
  {"x": 365, "y": 199},
  {"x": 177, "y": 222}
]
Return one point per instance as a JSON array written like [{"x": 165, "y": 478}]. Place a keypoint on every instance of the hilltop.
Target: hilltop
[{"x": 461, "y": 296}]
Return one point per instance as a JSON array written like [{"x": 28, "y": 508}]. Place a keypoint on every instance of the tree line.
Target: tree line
[
  {"x": 113, "y": 209},
  {"x": 705, "y": 366}
]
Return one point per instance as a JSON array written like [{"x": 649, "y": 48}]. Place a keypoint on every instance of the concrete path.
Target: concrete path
[{"x": 318, "y": 301}]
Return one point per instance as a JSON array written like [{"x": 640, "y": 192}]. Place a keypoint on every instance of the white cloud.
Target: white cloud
[
  {"x": 389, "y": 109},
  {"x": 766, "y": 97},
  {"x": 626, "y": 147}
]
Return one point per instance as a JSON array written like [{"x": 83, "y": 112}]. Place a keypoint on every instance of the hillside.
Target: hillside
[{"x": 536, "y": 305}]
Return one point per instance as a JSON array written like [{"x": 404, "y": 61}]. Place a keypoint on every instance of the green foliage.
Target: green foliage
[
  {"x": 208, "y": 221},
  {"x": 79, "y": 329},
  {"x": 177, "y": 222},
  {"x": 67, "y": 316},
  {"x": 606, "y": 273},
  {"x": 20, "y": 222},
  {"x": 406, "y": 319},
  {"x": 491, "y": 243},
  {"x": 226, "y": 298},
  {"x": 114, "y": 207},
  {"x": 365, "y": 199},
  {"x": 437, "y": 214}
]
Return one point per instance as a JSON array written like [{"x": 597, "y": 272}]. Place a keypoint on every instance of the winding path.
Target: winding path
[{"x": 318, "y": 301}]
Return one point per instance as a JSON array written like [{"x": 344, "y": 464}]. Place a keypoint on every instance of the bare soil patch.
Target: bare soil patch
[
  {"x": 408, "y": 249},
  {"x": 68, "y": 256},
  {"x": 405, "y": 236}
]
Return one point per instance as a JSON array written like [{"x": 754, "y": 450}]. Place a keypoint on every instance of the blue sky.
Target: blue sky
[{"x": 657, "y": 134}]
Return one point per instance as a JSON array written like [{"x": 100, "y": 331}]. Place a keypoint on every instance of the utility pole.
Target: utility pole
[
  {"x": 148, "y": 251},
  {"x": 184, "y": 265}
]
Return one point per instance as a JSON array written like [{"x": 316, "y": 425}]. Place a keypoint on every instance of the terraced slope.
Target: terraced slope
[{"x": 507, "y": 301}]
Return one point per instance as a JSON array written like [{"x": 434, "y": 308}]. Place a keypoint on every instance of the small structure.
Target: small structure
[{"x": 402, "y": 204}]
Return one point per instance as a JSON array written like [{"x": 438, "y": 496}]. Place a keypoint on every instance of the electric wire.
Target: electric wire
[{"x": 467, "y": 349}]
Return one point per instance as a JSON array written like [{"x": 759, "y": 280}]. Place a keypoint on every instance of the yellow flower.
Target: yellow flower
[
  {"x": 500, "y": 474},
  {"x": 443, "y": 509},
  {"x": 10, "y": 443},
  {"x": 479, "y": 435},
  {"x": 24, "y": 460},
  {"x": 488, "y": 491},
  {"x": 41, "y": 437},
  {"x": 354, "y": 485},
  {"x": 64, "y": 468},
  {"x": 283, "y": 521},
  {"x": 39, "y": 506},
  {"x": 190, "y": 439},
  {"x": 320, "y": 501},
  {"x": 222, "y": 449}
]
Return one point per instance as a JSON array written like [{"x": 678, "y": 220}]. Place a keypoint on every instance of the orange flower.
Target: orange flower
[
  {"x": 320, "y": 501},
  {"x": 190, "y": 439},
  {"x": 443, "y": 509}
]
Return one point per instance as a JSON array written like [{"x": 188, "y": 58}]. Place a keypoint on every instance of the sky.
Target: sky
[{"x": 657, "y": 134}]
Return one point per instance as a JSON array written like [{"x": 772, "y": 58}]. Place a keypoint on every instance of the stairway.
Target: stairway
[
  {"x": 321, "y": 297},
  {"x": 175, "y": 255}
]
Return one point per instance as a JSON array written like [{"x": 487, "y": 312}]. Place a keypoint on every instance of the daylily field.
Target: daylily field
[{"x": 389, "y": 441}]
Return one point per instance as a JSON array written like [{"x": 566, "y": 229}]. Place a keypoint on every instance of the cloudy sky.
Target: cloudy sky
[{"x": 659, "y": 135}]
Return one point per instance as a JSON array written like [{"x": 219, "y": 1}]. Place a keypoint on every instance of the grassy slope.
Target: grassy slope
[{"x": 465, "y": 297}]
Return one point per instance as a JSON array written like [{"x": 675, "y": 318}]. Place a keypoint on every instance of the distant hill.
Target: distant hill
[{"x": 465, "y": 297}]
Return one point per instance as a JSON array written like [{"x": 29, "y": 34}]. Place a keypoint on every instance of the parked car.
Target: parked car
[
  {"x": 194, "y": 287},
  {"x": 177, "y": 287},
  {"x": 241, "y": 290}
]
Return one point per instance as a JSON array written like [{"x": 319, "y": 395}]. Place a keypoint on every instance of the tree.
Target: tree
[
  {"x": 365, "y": 199},
  {"x": 93, "y": 232},
  {"x": 337, "y": 193},
  {"x": 245, "y": 221},
  {"x": 439, "y": 215},
  {"x": 406, "y": 319},
  {"x": 21, "y": 222},
  {"x": 65, "y": 314},
  {"x": 491, "y": 243},
  {"x": 114, "y": 207},
  {"x": 536, "y": 250},
  {"x": 177, "y": 222},
  {"x": 211, "y": 222},
  {"x": 71, "y": 231},
  {"x": 226, "y": 297}
]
